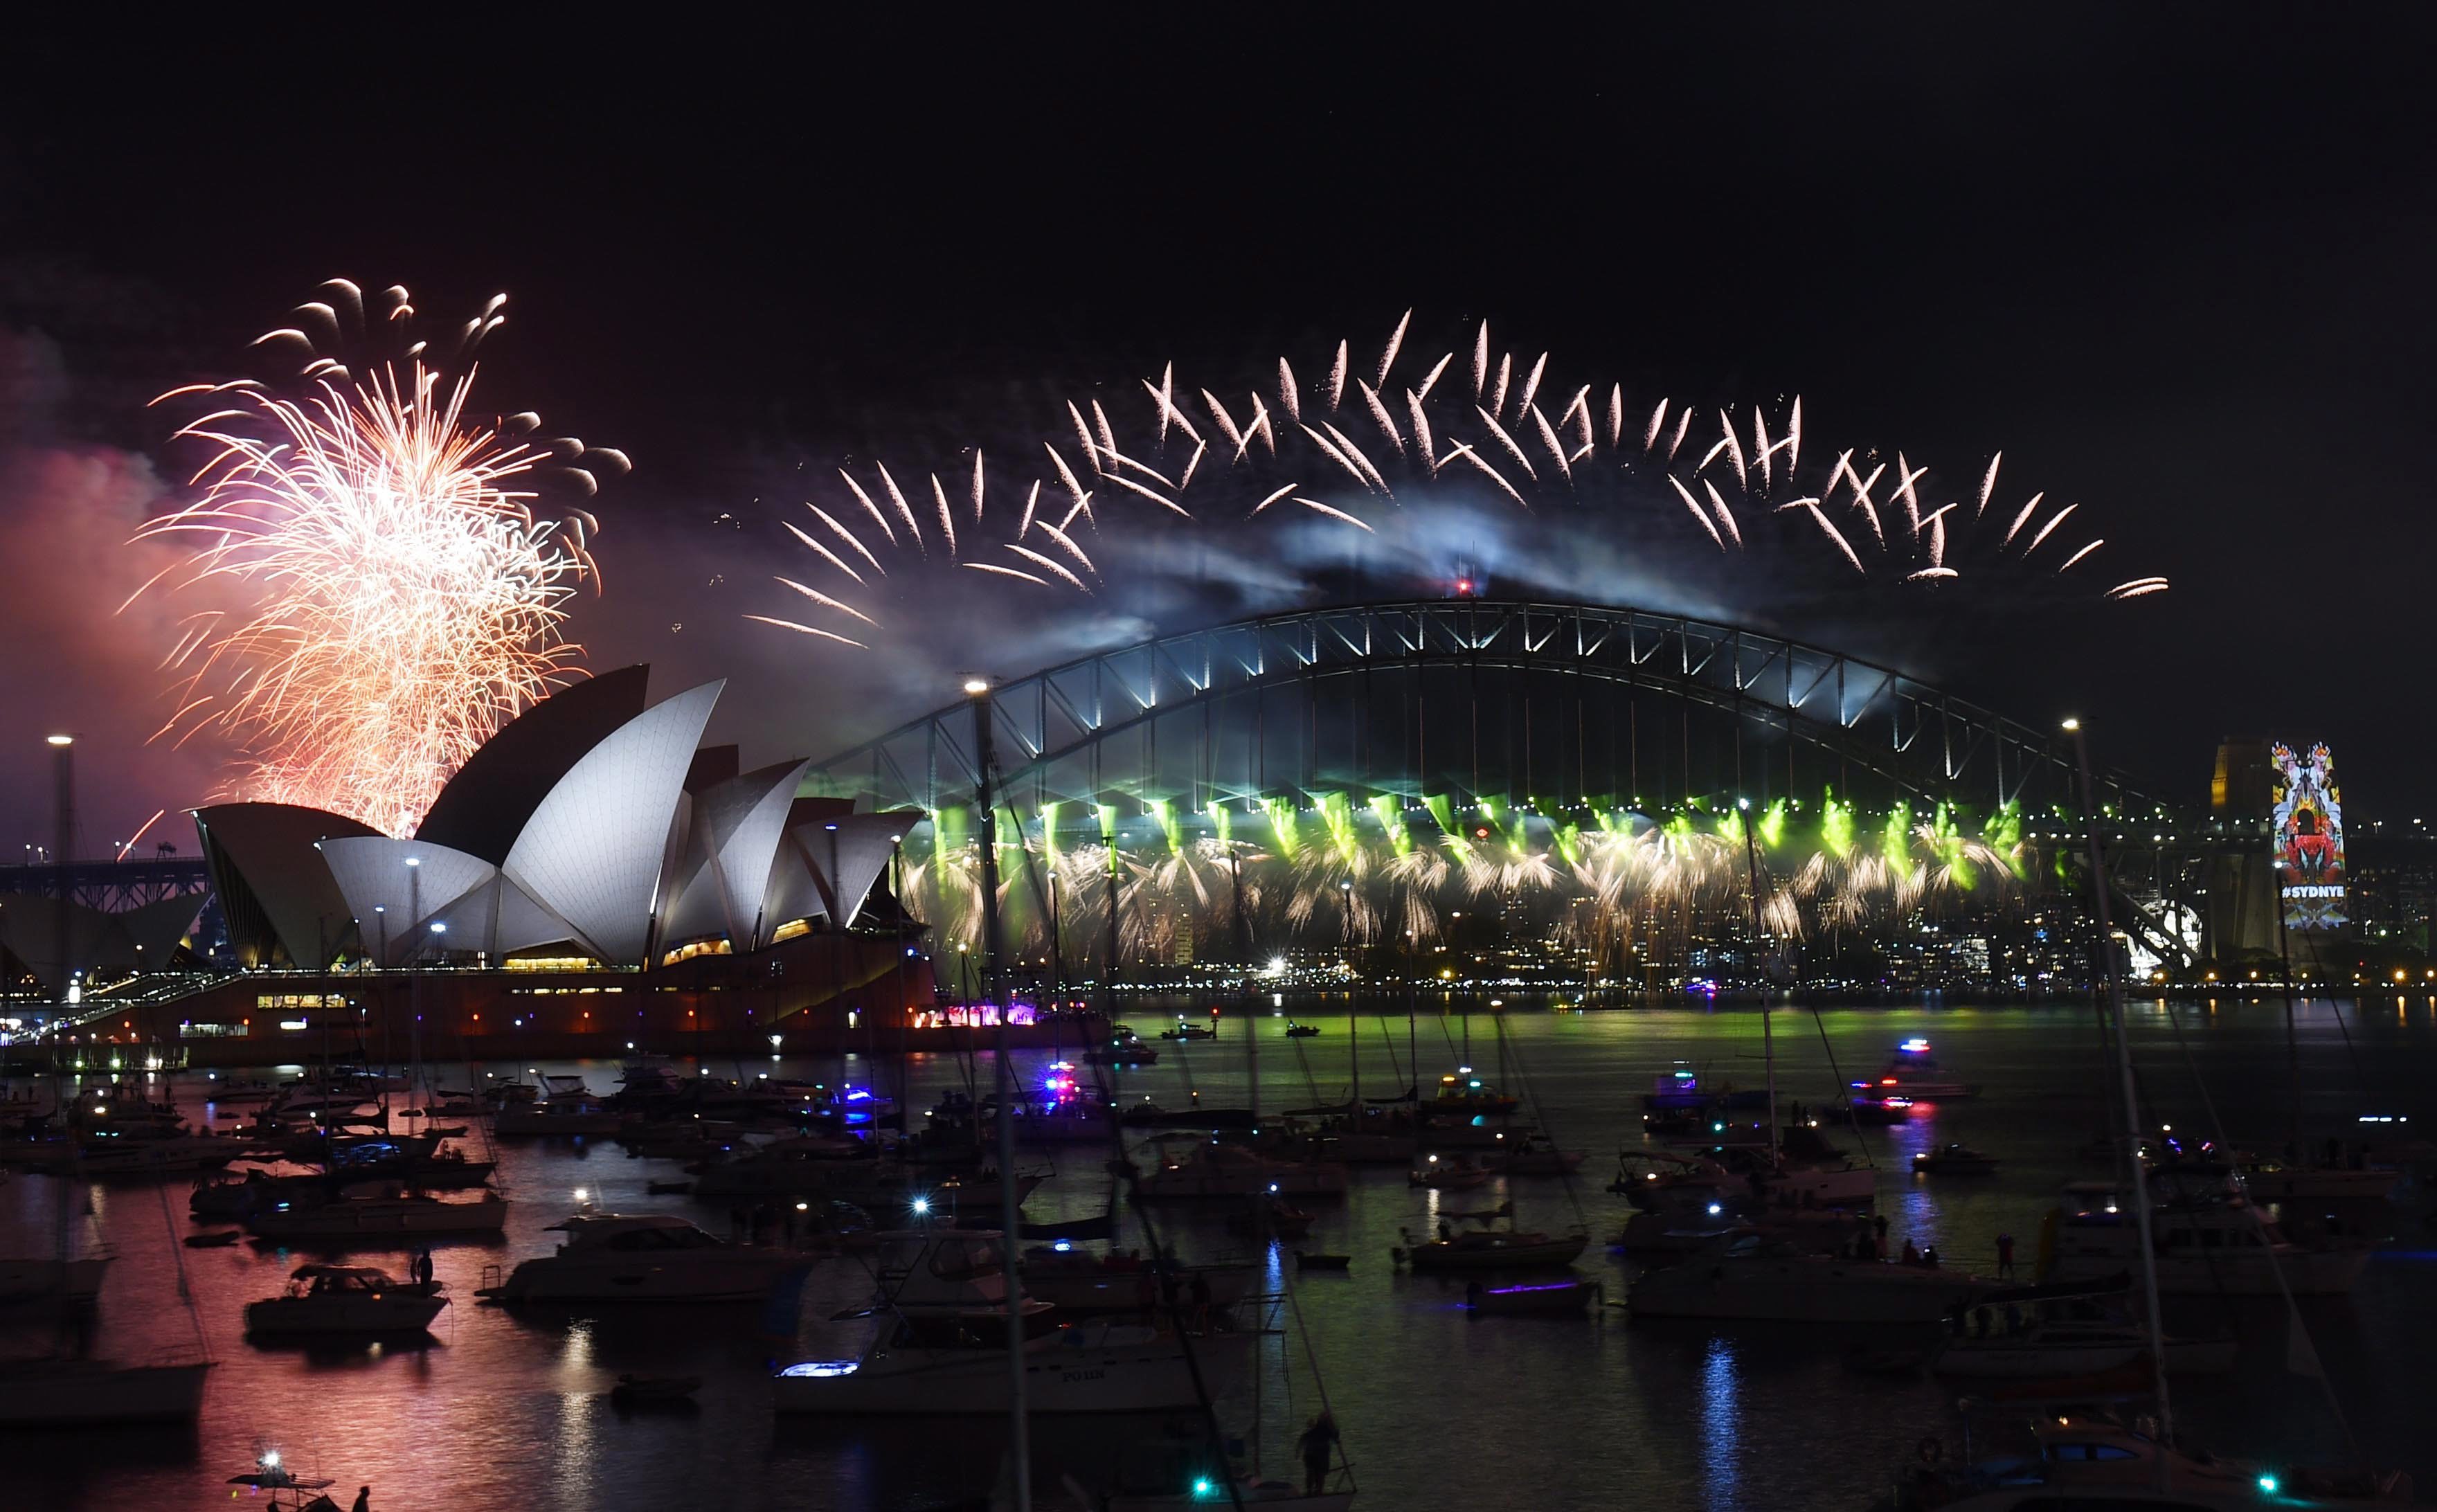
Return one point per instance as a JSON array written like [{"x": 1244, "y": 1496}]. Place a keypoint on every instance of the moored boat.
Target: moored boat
[
  {"x": 1747, "y": 1279},
  {"x": 75, "y": 1280},
  {"x": 1532, "y": 1154},
  {"x": 1495, "y": 1249},
  {"x": 380, "y": 1217},
  {"x": 942, "y": 1347},
  {"x": 1220, "y": 1170},
  {"x": 347, "y": 1300},
  {"x": 1077, "y": 1283},
  {"x": 645, "y": 1257},
  {"x": 2207, "y": 1249},
  {"x": 93, "y": 1392},
  {"x": 1458, "y": 1174},
  {"x": 1531, "y": 1299},
  {"x": 1953, "y": 1160},
  {"x": 1915, "y": 1073}
]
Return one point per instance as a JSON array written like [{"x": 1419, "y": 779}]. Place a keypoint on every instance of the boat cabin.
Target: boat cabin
[{"x": 325, "y": 1280}]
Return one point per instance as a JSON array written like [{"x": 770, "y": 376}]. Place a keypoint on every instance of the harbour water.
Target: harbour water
[{"x": 1438, "y": 1409}]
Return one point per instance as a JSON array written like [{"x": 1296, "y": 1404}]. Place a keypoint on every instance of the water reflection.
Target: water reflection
[
  {"x": 1439, "y": 1409},
  {"x": 1720, "y": 1427}
]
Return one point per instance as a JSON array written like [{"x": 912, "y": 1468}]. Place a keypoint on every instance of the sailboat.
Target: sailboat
[
  {"x": 70, "y": 1389},
  {"x": 941, "y": 1347}
]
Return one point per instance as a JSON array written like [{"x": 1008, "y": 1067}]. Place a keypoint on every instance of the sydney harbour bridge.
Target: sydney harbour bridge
[{"x": 1523, "y": 723}]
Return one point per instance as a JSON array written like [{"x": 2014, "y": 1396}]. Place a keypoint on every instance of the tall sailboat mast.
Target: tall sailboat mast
[
  {"x": 1020, "y": 1451},
  {"x": 1767, "y": 1037},
  {"x": 2140, "y": 1182}
]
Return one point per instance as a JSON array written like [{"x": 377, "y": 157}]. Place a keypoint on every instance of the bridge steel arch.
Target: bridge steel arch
[{"x": 1053, "y": 727}]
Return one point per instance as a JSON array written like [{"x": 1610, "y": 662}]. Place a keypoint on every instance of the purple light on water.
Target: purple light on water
[{"x": 1544, "y": 1285}]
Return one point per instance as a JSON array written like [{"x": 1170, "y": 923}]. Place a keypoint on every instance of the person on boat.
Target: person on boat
[
  {"x": 1201, "y": 1294},
  {"x": 1315, "y": 1446},
  {"x": 2006, "y": 1254},
  {"x": 1911, "y": 1256},
  {"x": 363, "y": 1500},
  {"x": 1928, "y": 1258}
]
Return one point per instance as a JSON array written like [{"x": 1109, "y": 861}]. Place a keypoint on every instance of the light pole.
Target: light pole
[{"x": 63, "y": 774}]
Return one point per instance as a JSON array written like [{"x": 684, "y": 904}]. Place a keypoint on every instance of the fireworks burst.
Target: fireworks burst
[
  {"x": 1332, "y": 876},
  {"x": 405, "y": 600},
  {"x": 1354, "y": 454}
]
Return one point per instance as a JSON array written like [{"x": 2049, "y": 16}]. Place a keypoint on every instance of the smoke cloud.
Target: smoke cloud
[{"x": 80, "y": 666}]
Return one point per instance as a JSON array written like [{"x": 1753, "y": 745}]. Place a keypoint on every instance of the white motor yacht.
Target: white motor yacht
[
  {"x": 1748, "y": 1280},
  {"x": 2207, "y": 1250},
  {"x": 942, "y": 1347},
  {"x": 645, "y": 1257},
  {"x": 371, "y": 1216},
  {"x": 323, "y": 1299}
]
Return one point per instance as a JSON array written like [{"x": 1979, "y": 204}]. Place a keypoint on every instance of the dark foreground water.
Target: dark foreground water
[{"x": 511, "y": 1409}]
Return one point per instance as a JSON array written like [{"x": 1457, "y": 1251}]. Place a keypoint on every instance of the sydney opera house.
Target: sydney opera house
[{"x": 593, "y": 872}]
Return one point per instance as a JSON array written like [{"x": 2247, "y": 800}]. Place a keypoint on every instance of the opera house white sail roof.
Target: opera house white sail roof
[{"x": 572, "y": 828}]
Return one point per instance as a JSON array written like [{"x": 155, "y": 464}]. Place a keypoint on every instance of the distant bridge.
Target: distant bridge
[{"x": 112, "y": 886}]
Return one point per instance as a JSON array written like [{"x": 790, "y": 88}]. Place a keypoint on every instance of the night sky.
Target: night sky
[{"x": 2174, "y": 261}]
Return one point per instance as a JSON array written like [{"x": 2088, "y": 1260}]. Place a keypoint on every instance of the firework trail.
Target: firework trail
[
  {"x": 406, "y": 599},
  {"x": 1149, "y": 470}
]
